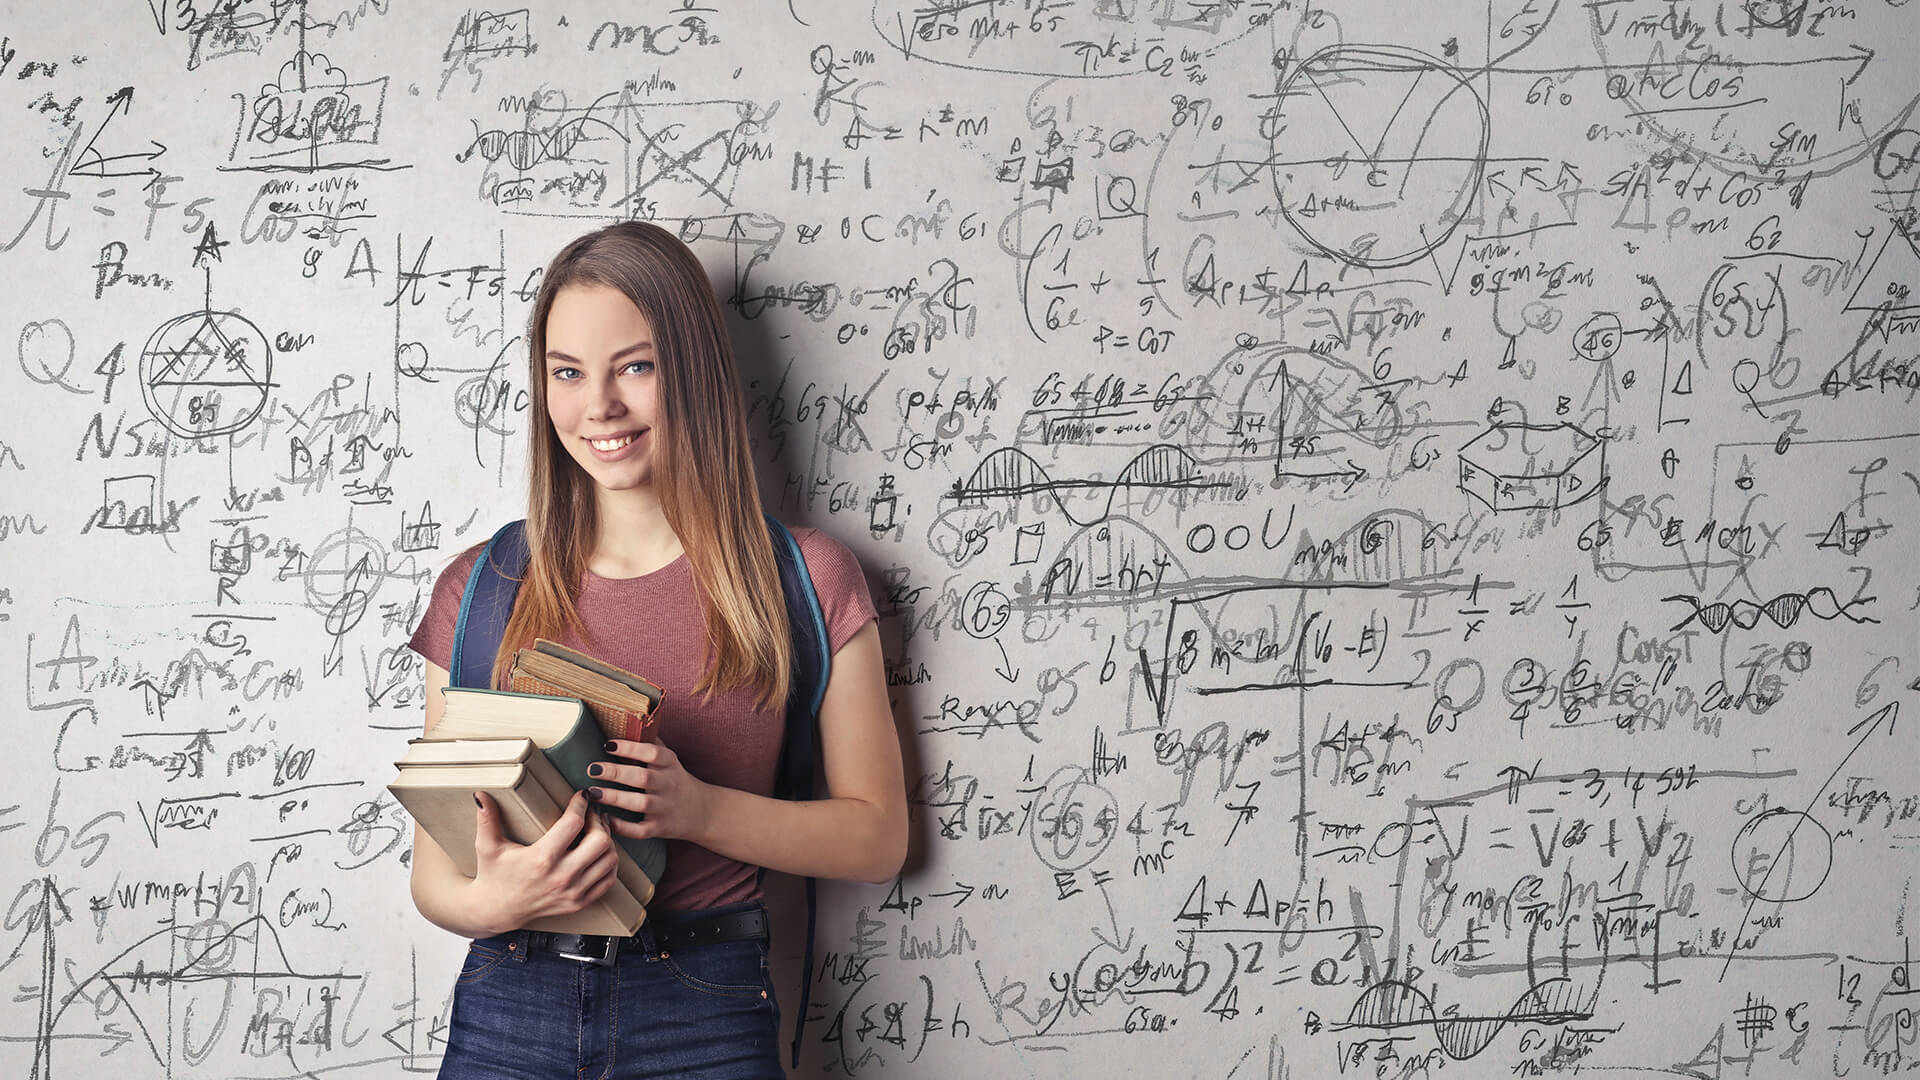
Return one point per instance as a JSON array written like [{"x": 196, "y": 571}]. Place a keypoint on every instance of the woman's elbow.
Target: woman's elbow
[
  {"x": 426, "y": 899},
  {"x": 890, "y": 855},
  {"x": 884, "y": 870}
]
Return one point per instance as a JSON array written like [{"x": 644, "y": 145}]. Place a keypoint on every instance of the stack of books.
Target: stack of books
[{"x": 529, "y": 747}]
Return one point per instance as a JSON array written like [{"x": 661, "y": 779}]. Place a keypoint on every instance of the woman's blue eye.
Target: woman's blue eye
[{"x": 567, "y": 374}]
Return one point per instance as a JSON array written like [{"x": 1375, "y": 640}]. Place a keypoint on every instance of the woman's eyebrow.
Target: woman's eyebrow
[{"x": 638, "y": 346}]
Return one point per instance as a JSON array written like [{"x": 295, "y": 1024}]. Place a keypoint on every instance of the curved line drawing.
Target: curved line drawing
[
  {"x": 1011, "y": 472},
  {"x": 1393, "y": 1004},
  {"x": 1784, "y": 610},
  {"x": 524, "y": 149}
]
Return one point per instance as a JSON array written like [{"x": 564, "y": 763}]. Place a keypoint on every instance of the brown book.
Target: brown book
[
  {"x": 439, "y": 797},
  {"x": 624, "y": 703}
]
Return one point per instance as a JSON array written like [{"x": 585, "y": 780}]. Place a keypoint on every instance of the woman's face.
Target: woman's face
[{"x": 602, "y": 388}]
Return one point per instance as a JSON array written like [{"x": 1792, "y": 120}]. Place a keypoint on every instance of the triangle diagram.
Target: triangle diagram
[
  {"x": 1683, "y": 382},
  {"x": 208, "y": 358},
  {"x": 190, "y": 358},
  {"x": 1837, "y": 536},
  {"x": 1892, "y": 280}
]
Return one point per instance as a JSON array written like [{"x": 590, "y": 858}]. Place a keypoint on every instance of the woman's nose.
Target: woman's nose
[{"x": 606, "y": 401}]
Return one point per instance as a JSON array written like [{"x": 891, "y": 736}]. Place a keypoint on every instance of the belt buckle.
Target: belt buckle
[{"x": 605, "y": 959}]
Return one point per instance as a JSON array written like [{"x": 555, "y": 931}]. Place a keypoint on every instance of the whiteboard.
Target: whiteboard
[{"x": 1392, "y": 524}]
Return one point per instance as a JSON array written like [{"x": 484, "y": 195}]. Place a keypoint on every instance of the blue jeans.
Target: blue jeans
[{"x": 701, "y": 1011}]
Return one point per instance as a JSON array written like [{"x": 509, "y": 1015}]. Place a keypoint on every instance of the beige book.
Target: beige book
[
  {"x": 440, "y": 798},
  {"x": 442, "y": 753},
  {"x": 494, "y": 714},
  {"x": 566, "y": 731},
  {"x": 506, "y": 750}
]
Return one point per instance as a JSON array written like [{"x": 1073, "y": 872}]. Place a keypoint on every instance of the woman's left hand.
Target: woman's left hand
[{"x": 678, "y": 804}]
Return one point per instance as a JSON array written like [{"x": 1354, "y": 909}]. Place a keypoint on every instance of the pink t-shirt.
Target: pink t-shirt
[{"x": 652, "y": 625}]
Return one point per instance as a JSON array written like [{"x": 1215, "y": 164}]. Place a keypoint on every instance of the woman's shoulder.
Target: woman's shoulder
[
  {"x": 433, "y": 636},
  {"x": 829, "y": 561},
  {"x": 838, "y": 581},
  {"x": 819, "y": 546},
  {"x": 453, "y": 576},
  {"x": 463, "y": 563},
  {"x": 832, "y": 564}
]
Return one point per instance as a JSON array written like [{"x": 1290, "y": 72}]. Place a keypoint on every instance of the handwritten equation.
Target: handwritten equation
[{"x": 1392, "y": 524}]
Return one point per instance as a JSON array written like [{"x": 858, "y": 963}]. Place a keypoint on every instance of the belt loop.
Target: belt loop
[{"x": 518, "y": 946}]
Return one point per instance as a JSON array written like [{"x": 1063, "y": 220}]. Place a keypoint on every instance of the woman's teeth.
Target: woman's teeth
[{"x": 609, "y": 445}]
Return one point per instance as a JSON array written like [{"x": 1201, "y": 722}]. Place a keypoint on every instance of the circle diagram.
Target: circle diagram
[
  {"x": 1782, "y": 856},
  {"x": 1376, "y": 152},
  {"x": 1598, "y": 338},
  {"x": 206, "y": 373}
]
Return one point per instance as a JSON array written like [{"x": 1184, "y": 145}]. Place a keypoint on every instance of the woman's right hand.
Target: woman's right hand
[{"x": 518, "y": 883}]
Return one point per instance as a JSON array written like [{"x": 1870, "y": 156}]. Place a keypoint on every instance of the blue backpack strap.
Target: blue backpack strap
[
  {"x": 812, "y": 665},
  {"x": 486, "y": 606}
]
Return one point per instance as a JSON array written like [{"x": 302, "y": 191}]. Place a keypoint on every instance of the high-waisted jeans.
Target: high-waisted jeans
[{"x": 702, "y": 1011}]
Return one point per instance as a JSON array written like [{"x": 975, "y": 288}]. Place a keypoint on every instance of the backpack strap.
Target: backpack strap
[
  {"x": 487, "y": 604},
  {"x": 812, "y": 666}
]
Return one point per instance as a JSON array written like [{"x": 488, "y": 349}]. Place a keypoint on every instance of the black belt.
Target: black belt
[{"x": 662, "y": 935}]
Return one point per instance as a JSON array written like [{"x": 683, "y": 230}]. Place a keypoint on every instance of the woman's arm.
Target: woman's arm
[
  {"x": 514, "y": 883},
  {"x": 857, "y": 833}
]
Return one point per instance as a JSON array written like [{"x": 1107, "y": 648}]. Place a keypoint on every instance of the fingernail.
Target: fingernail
[
  {"x": 477, "y": 802},
  {"x": 608, "y": 746},
  {"x": 593, "y": 770},
  {"x": 593, "y": 793}
]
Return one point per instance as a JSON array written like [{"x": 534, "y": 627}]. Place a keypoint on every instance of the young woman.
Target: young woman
[{"x": 650, "y": 551}]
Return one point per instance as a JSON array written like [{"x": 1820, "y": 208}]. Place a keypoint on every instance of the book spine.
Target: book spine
[
  {"x": 631, "y": 877},
  {"x": 617, "y": 911},
  {"x": 571, "y": 756}
]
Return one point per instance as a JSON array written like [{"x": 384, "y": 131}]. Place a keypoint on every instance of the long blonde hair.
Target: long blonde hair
[{"x": 702, "y": 468}]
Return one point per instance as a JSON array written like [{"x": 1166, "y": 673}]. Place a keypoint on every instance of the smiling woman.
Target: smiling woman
[
  {"x": 650, "y": 551},
  {"x": 602, "y": 389}
]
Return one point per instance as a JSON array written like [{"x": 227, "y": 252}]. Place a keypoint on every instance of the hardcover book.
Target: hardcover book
[
  {"x": 567, "y": 733},
  {"x": 623, "y": 702},
  {"x": 436, "y": 790},
  {"x": 434, "y": 753}
]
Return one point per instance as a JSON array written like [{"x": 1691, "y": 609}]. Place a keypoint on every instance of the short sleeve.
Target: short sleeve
[
  {"x": 845, "y": 603},
  {"x": 433, "y": 638}
]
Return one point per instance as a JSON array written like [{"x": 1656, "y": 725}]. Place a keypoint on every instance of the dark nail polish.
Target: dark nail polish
[
  {"x": 593, "y": 793},
  {"x": 593, "y": 770},
  {"x": 476, "y": 800},
  {"x": 608, "y": 746}
]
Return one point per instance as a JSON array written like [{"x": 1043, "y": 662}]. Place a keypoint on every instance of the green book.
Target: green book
[{"x": 563, "y": 729}]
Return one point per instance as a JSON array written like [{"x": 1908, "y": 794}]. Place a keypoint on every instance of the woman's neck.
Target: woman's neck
[{"x": 634, "y": 538}]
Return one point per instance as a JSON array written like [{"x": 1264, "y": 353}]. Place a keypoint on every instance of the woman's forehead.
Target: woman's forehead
[{"x": 593, "y": 313}]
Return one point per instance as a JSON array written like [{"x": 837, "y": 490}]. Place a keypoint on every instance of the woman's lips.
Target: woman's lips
[{"x": 616, "y": 455}]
